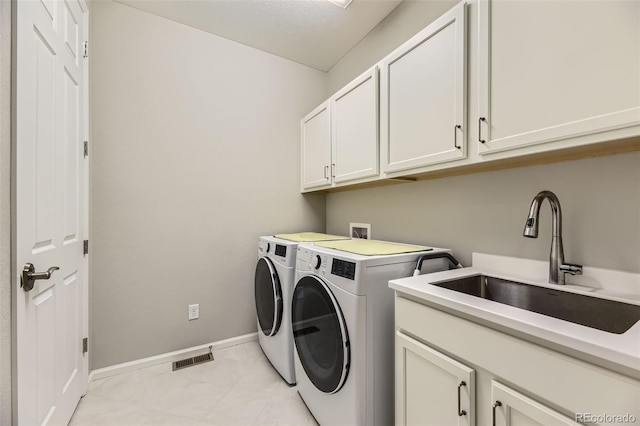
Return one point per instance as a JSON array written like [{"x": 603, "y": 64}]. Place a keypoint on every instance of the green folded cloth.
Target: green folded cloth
[
  {"x": 309, "y": 237},
  {"x": 371, "y": 247}
]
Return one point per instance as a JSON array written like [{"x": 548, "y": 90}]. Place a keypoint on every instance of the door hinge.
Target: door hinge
[
  {"x": 86, "y": 50},
  {"x": 85, "y": 249},
  {"x": 86, "y": 148},
  {"x": 85, "y": 345}
]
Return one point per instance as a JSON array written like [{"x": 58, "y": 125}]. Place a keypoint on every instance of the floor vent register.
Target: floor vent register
[{"x": 189, "y": 362}]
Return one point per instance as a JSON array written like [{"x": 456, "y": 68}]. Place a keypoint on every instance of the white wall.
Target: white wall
[
  {"x": 5, "y": 219},
  {"x": 485, "y": 212},
  {"x": 406, "y": 20},
  {"x": 195, "y": 153}
]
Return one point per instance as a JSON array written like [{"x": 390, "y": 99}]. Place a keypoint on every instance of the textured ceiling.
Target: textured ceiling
[{"x": 311, "y": 32}]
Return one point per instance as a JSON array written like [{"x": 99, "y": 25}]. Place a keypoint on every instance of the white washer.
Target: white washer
[
  {"x": 342, "y": 319},
  {"x": 273, "y": 286}
]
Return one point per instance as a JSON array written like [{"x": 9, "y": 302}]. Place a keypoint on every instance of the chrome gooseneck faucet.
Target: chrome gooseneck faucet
[{"x": 557, "y": 267}]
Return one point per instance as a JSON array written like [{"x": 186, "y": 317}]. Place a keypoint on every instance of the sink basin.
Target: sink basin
[{"x": 606, "y": 315}]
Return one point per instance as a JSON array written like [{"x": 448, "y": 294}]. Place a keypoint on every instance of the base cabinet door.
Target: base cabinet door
[
  {"x": 511, "y": 408},
  {"x": 431, "y": 388},
  {"x": 556, "y": 74}
]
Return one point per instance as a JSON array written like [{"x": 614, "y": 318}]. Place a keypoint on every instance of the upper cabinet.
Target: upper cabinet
[
  {"x": 552, "y": 78},
  {"x": 557, "y": 74},
  {"x": 354, "y": 129},
  {"x": 316, "y": 148},
  {"x": 423, "y": 97},
  {"x": 340, "y": 137}
]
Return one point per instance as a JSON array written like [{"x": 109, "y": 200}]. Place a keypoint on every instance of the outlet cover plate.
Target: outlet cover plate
[{"x": 360, "y": 230}]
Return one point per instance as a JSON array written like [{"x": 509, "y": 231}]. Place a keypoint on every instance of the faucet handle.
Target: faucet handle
[{"x": 571, "y": 268}]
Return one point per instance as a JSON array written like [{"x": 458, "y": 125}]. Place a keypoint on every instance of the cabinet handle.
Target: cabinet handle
[
  {"x": 333, "y": 170},
  {"x": 480, "y": 120},
  {"x": 461, "y": 412},
  {"x": 455, "y": 136},
  {"x": 326, "y": 172},
  {"x": 493, "y": 412}
]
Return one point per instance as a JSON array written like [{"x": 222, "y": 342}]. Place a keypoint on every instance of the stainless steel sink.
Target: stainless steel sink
[{"x": 602, "y": 314}]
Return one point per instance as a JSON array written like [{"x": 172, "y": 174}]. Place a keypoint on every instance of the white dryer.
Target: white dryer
[
  {"x": 273, "y": 285},
  {"x": 342, "y": 319}
]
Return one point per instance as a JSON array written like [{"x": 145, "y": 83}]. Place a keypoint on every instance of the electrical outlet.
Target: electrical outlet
[{"x": 194, "y": 312}]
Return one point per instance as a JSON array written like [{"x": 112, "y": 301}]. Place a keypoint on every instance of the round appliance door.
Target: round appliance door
[
  {"x": 320, "y": 334},
  {"x": 268, "y": 297}
]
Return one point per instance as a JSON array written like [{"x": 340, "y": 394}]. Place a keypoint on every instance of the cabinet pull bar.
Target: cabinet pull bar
[
  {"x": 455, "y": 136},
  {"x": 326, "y": 172},
  {"x": 480, "y": 120},
  {"x": 493, "y": 412},
  {"x": 333, "y": 170},
  {"x": 461, "y": 412}
]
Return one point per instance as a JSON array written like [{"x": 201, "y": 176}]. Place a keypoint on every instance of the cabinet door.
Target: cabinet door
[
  {"x": 422, "y": 96},
  {"x": 354, "y": 111},
  {"x": 514, "y": 409},
  {"x": 554, "y": 71},
  {"x": 431, "y": 388},
  {"x": 316, "y": 147}
]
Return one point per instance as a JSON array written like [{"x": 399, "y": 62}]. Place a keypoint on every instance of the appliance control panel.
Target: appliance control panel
[
  {"x": 322, "y": 264},
  {"x": 343, "y": 268},
  {"x": 281, "y": 250},
  {"x": 318, "y": 263}
]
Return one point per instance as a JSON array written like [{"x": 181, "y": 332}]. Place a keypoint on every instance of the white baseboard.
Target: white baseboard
[{"x": 113, "y": 370}]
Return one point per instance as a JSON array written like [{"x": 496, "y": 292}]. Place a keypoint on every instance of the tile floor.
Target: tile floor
[{"x": 239, "y": 387}]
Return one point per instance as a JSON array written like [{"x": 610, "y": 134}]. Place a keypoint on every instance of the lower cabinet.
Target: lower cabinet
[
  {"x": 515, "y": 409},
  {"x": 431, "y": 388},
  {"x": 453, "y": 371},
  {"x": 435, "y": 389}
]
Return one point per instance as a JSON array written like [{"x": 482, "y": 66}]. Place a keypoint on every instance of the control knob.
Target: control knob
[{"x": 318, "y": 261}]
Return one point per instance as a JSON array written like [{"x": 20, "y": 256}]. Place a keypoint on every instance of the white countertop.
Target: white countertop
[{"x": 619, "y": 352}]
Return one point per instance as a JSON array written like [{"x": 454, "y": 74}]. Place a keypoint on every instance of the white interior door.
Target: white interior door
[{"x": 50, "y": 127}]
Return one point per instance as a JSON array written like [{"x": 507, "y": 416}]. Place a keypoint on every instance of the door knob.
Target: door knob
[{"x": 29, "y": 276}]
